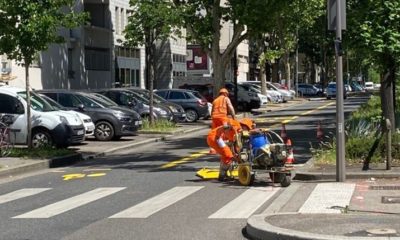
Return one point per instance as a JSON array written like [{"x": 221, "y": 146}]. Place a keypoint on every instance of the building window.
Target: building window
[
  {"x": 179, "y": 58},
  {"x": 97, "y": 59},
  {"x": 122, "y": 20}
]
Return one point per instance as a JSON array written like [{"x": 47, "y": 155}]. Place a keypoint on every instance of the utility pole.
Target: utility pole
[
  {"x": 297, "y": 61},
  {"x": 337, "y": 22},
  {"x": 340, "y": 146}
]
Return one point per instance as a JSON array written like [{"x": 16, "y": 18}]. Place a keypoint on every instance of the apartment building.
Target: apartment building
[{"x": 92, "y": 55}]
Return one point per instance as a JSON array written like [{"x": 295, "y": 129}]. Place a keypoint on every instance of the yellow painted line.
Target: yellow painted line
[
  {"x": 96, "y": 175},
  {"x": 184, "y": 160},
  {"x": 318, "y": 108},
  {"x": 73, "y": 176}
]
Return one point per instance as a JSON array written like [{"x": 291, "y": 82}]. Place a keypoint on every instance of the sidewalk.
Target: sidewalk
[{"x": 372, "y": 210}]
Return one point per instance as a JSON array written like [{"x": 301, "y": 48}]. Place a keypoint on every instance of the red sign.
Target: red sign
[{"x": 196, "y": 59}]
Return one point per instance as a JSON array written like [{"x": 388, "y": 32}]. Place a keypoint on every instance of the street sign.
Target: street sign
[{"x": 332, "y": 14}]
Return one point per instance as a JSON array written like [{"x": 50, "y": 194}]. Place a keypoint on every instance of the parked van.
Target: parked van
[{"x": 49, "y": 126}]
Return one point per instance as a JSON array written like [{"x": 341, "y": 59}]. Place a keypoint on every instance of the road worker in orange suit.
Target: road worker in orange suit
[
  {"x": 222, "y": 137},
  {"x": 221, "y": 108}
]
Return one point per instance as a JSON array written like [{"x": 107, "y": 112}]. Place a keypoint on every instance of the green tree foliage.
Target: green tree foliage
[
  {"x": 375, "y": 26},
  {"x": 152, "y": 21},
  {"x": 28, "y": 27},
  {"x": 204, "y": 20}
]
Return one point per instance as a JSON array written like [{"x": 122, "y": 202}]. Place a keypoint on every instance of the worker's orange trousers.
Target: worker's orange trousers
[
  {"x": 216, "y": 122},
  {"x": 225, "y": 152}
]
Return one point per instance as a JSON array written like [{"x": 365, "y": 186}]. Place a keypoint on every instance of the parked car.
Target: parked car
[
  {"x": 194, "y": 104},
  {"x": 49, "y": 125},
  {"x": 331, "y": 91},
  {"x": 178, "y": 112},
  {"x": 369, "y": 86},
  {"x": 263, "y": 98},
  {"x": 272, "y": 95},
  {"x": 247, "y": 100},
  {"x": 126, "y": 98},
  {"x": 305, "y": 89},
  {"x": 356, "y": 87},
  {"x": 288, "y": 94},
  {"x": 112, "y": 122},
  {"x": 206, "y": 90},
  {"x": 87, "y": 121}
]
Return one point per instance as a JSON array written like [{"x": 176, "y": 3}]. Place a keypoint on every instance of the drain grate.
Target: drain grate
[
  {"x": 390, "y": 199},
  {"x": 387, "y": 187}
]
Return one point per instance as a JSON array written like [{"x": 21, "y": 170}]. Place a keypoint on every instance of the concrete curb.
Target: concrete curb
[
  {"x": 259, "y": 229},
  {"x": 41, "y": 164}
]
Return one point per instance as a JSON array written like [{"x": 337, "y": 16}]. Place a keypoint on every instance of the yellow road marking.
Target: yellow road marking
[
  {"x": 184, "y": 160},
  {"x": 96, "y": 175},
  {"x": 73, "y": 176}
]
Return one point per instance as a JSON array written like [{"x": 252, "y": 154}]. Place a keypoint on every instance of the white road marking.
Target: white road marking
[
  {"x": 327, "y": 196},
  {"x": 25, "y": 192},
  {"x": 247, "y": 203},
  {"x": 157, "y": 203},
  {"x": 70, "y": 203}
]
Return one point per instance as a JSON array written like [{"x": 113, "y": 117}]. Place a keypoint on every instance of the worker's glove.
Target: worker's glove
[{"x": 221, "y": 143}]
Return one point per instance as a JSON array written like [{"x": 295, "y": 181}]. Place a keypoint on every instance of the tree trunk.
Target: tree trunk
[
  {"x": 262, "y": 79},
  {"x": 150, "y": 71},
  {"x": 219, "y": 75},
  {"x": 287, "y": 70},
  {"x": 387, "y": 93},
  {"x": 275, "y": 71},
  {"x": 28, "y": 102}
]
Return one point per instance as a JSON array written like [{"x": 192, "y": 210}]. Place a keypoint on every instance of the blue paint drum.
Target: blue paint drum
[{"x": 258, "y": 140}]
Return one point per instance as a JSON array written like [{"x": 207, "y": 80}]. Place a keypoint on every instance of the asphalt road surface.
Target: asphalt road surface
[{"x": 151, "y": 192}]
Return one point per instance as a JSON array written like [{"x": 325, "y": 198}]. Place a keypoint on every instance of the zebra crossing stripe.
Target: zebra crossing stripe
[
  {"x": 328, "y": 198},
  {"x": 157, "y": 203},
  {"x": 70, "y": 203},
  {"x": 25, "y": 192},
  {"x": 247, "y": 203}
]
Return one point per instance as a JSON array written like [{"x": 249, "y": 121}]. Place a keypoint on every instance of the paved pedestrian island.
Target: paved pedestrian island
[{"x": 356, "y": 209}]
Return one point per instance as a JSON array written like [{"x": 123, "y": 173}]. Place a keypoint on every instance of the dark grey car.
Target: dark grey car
[
  {"x": 112, "y": 122},
  {"x": 194, "y": 104},
  {"x": 177, "y": 110},
  {"x": 132, "y": 100}
]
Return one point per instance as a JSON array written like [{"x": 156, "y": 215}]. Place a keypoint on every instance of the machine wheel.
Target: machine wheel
[
  {"x": 286, "y": 180},
  {"x": 277, "y": 177},
  {"x": 246, "y": 177}
]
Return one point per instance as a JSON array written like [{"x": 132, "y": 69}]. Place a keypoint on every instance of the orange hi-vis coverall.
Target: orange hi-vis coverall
[
  {"x": 216, "y": 139},
  {"x": 219, "y": 113}
]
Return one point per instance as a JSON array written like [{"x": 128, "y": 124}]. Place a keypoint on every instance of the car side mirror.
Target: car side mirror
[{"x": 81, "y": 107}]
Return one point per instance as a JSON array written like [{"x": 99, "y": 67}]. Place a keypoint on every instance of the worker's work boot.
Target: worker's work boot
[{"x": 223, "y": 170}]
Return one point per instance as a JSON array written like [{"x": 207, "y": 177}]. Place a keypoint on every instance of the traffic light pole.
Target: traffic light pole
[{"x": 340, "y": 137}]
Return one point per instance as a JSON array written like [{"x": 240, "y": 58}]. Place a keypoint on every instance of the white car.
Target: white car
[
  {"x": 252, "y": 88},
  {"x": 86, "y": 120},
  {"x": 369, "y": 86},
  {"x": 49, "y": 126}
]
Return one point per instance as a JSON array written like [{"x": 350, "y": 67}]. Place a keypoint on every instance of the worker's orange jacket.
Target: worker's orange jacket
[
  {"x": 226, "y": 135},
  {"x": 219, "y": 112}
]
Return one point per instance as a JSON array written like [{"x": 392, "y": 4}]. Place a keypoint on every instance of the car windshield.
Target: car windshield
[
  {"x": 97, "y": 102},
  {"x": 53, "y": 103},
  {"x": 37, "y": 102},
  {"x": 89, "y": 101},
  {"x": 197, "y": 94},
  {"x": 105, "y": 100},
  {"x": 332, "y": 85},
  {"x": 145, "y": 95}
]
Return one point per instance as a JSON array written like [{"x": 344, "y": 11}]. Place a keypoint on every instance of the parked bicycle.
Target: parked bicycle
[{"x": 6, "y": 144}]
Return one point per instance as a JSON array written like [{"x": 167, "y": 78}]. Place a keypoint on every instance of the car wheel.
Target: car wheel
[
  {"x": 104, "y": 131},
  {"x": 41, "y": 138},
  {"x": 191, "y": 115}
]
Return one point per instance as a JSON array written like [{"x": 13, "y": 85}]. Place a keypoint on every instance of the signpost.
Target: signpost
[{"x": 337, "y": 22}]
